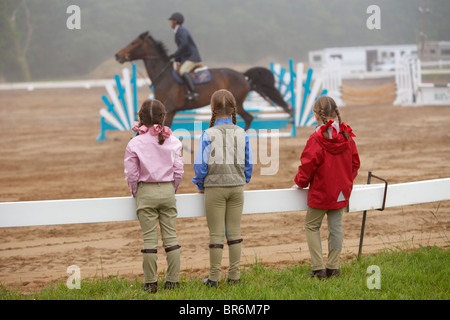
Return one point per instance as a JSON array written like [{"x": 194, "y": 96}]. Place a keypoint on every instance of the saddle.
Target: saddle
[{"x": 200, "y": 74}]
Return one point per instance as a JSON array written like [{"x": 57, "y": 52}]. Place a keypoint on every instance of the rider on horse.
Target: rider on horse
[{"x": 187, "y": 53}]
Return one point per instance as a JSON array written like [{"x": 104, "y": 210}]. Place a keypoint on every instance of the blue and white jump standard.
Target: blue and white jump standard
[{"x": 269, "y": 120}]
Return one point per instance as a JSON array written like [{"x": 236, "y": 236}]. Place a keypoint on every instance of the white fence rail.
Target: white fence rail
[
  {"x": 439, "y": 63},
  {"x": 364, "y": 197},
  {"x": 86, "y": 84}
]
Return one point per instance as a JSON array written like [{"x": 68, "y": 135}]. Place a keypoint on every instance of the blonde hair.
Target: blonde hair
[
  {"x": 326, "y": 108},
  {"x": 223, "y": 103},
  {"x": 152, "y": 112}
]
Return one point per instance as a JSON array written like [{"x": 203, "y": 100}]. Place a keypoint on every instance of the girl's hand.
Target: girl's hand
[{"x": 295, "y": 187}]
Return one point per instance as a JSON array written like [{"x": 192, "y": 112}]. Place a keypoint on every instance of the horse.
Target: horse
[{"x": 172, "y": 94}]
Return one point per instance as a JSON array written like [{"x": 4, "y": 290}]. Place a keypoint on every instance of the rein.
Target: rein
[
  {"x": 153, "y": 82},
  {"x": 161, "y": 72}
]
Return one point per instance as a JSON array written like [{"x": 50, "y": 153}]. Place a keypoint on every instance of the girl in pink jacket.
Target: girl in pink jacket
[{"x": 154, "y": 170}]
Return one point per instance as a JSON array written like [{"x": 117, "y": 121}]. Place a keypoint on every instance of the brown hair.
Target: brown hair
[
  {"x": 222, "y": 104},
  {"x": 152, "y": 112},
  {"x": 326, "y": 108}
]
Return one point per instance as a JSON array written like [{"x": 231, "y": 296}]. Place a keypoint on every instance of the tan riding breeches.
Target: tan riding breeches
[
  {"x": 155, "y": 204},
  {"x": 187, "y": 66},
  {"x": 224, "y": 207},
  {"x": 313, "y": 223}
]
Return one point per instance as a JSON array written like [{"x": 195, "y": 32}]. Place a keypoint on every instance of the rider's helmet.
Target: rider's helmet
[{"x": 178, "y": 17}]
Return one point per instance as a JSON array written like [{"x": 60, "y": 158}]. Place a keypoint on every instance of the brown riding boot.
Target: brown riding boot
[
  {"x": 332, "y": 272},
  {"x": 320, "y": 274},
  {"x": 191, "y": 94},
  {"x": 210, "y": 283},
  {"x": 151, "y": 287}
]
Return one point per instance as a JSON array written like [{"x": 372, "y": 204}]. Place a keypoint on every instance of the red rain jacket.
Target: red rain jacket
[{"x": 329, "y": 167}]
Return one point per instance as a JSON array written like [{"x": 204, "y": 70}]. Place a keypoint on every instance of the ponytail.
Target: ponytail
[{"x": 213, "y": 118}]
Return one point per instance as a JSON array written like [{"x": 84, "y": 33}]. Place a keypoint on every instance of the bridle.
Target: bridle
[{"x": 156, "y": 78}]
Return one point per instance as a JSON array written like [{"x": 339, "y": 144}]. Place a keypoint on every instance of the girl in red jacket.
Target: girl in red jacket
[{"x": 329, "y": 164}]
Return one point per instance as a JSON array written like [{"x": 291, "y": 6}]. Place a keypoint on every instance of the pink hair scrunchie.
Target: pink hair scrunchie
[
  {"x": 141, "y": 129},
  {"x": 156, "y": 129}
]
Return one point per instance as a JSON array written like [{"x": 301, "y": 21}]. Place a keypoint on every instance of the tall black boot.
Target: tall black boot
[{"x": 191, "y": 94}]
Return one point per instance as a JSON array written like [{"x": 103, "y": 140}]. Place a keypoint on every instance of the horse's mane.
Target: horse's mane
[{"x": 160, "y": 46}]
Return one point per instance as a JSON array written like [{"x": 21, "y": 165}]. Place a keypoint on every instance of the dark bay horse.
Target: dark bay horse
[{"x": 172, "y": 94}]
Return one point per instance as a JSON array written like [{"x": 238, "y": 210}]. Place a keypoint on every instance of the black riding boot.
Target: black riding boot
[{"x": 191, "y": 94}]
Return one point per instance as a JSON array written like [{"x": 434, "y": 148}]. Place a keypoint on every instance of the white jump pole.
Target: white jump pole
[
  {"x": 298, "y": 93},
  {"x": 111, "y": 119},
  {"x": 117, "y": 105},
  {"x": 128, "y": 94},
  {"x": 311, "y": 99}
]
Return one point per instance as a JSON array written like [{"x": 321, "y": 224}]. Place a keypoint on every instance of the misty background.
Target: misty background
[{"x": 35, "y": 43}]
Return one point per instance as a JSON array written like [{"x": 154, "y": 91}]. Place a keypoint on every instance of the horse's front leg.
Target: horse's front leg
[
  {"x": 169, "y": 118},
  {"x": 247, "y": 117}
]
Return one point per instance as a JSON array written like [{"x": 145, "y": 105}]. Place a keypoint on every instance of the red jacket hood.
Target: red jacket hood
[{"x": 334, "y": 146}]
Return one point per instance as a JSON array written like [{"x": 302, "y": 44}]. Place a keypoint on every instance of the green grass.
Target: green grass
[{"x": 419, "y": 274}]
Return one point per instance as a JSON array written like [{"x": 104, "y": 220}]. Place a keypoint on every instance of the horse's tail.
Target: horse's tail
[{"x": 263, "y": 82}]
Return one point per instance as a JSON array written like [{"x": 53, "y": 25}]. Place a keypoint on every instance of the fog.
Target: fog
[{"x": 38, "y": 36}]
